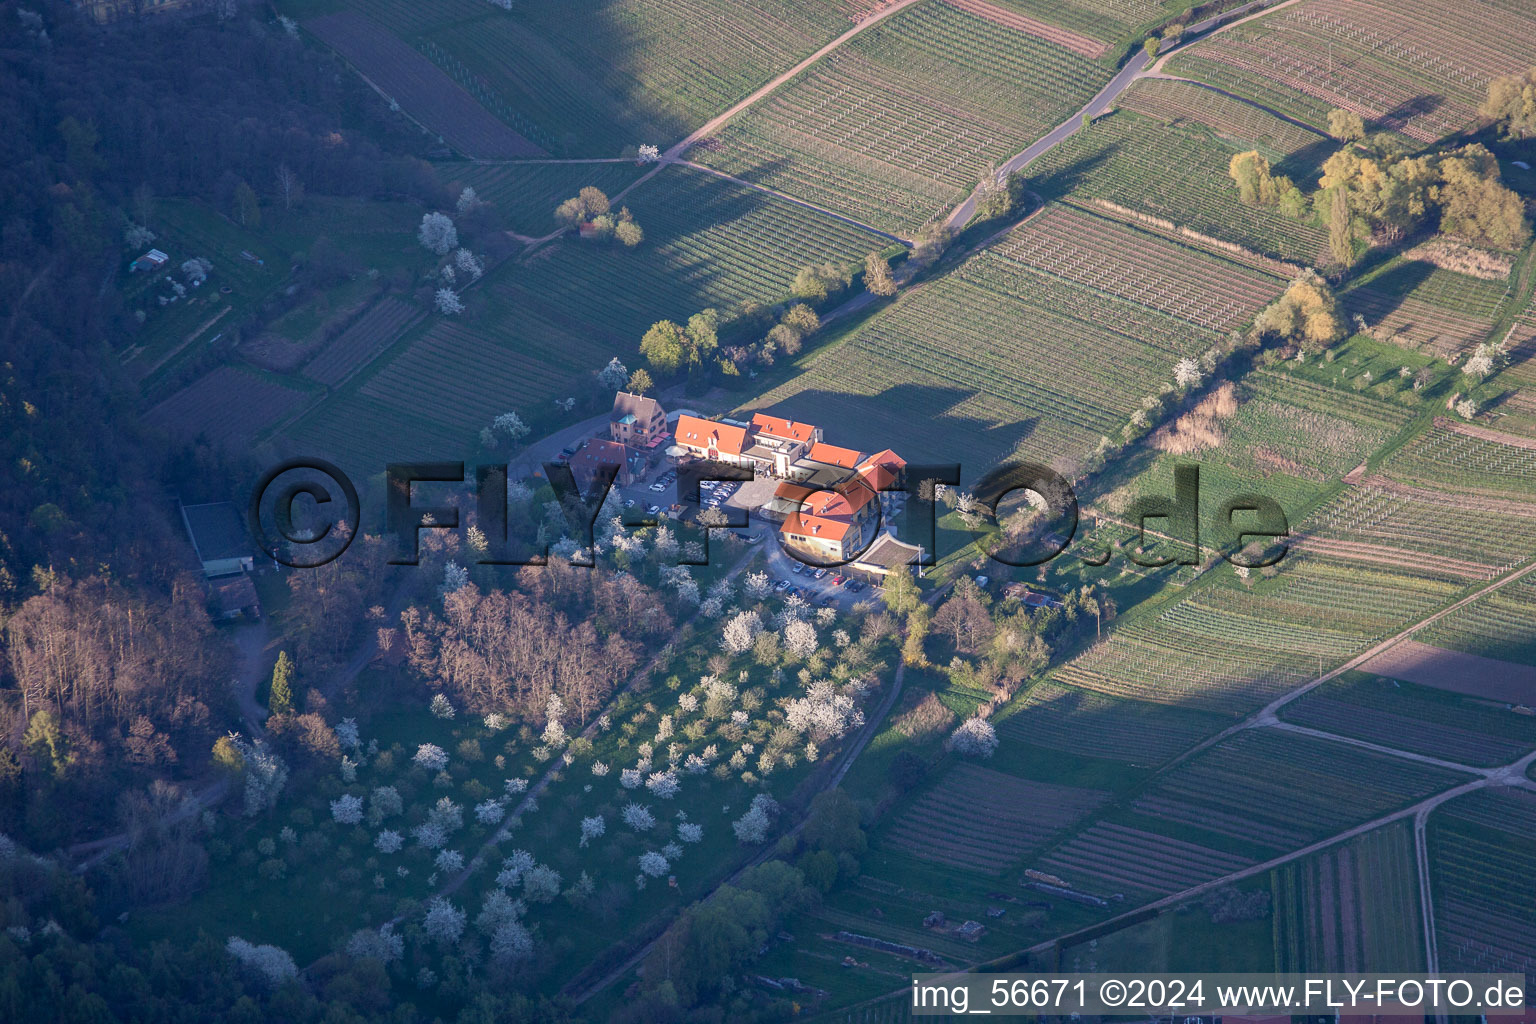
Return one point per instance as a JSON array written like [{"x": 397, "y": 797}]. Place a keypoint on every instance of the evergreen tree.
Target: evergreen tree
[{"x": 280, "y": 701}]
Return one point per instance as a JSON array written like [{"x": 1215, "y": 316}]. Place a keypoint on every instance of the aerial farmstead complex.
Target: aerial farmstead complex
[{"x": 745, "y": 751}]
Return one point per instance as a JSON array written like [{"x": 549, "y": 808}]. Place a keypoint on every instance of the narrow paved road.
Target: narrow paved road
[{"x": 1101, "y": 102}]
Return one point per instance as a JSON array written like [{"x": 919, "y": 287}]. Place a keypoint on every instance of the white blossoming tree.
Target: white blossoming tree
[
  {"x": 689, "y": 832},
  {"x": 431, "y": 757},
  {"x": 1187, "y": 373},
  {"x": 444, "y": 923},
  {"x": 271, "y": 965},
  {"x": 442, "y": 707},
  {"x": 512, "y": 941},
  {"x": 823, "y": 713},
  {"x": 447, "y": 302},
  {"x": 541, "y": 883},
  {"x": 752, "y": 828},
  {"x": 382, "y": 945},
  {"x": 800, "y": 638},
  {"x": 740, "y": 631},
  {"x": 974, "y": 738},
  {"x": 437, "y": 233},
  {"x": 265, "y": 774},
  {"x": 592, "y": 828},
  {"x": 654, "y": 864},
  {"x": 388, "y": 841},
  {"x": 662, "y": 784},
  {"x": 449, "y": 861},
  {"x": 490, "y": 812},
  {"x": 347, "y": 810},
  {"x": 638, "y": 817},
  {"x": 554, "y": 731}
]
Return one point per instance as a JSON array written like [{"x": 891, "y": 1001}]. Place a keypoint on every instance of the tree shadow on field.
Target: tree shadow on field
[
  {"x": 1407, "y": 110},
  {"x": 917, "y": 421},
  {"x": 1305, "y": 165},
  {"x": 1063, "y": 180},
  {"x": 1385, "y": 293}
]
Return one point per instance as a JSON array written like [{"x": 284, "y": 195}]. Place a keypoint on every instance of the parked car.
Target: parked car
[
  {"x": 819, "y": 573},
  {"x": 653, "y": 509},
  {"x": 754, "y": 538},
  {"x": 982, "y": 581},
  {"x": 629, "y": 502},
  {"x": 781, "y": 586},
  {"x": 837, "y": 579},
  {"x": 658, "y": 487},
  {"x": 855, "y": 586},
  {"x": 797, "y": 568}
]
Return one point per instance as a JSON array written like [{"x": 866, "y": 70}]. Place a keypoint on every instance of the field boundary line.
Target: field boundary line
[
  {"x": 674, "y": 152},
  {"x": 1267, "y": 714},
  {"x": 798, "y": 202}
]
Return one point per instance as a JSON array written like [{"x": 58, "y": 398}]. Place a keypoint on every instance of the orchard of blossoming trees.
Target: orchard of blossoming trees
[{"x": 530, "y": 793}]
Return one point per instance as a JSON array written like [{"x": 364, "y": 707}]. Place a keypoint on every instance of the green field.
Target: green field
[
  {"x": 1398, "y": 63},
  {"x": 525, "y": 195},
  {"x": 1178, "y": 173},
  {"x": 537, "y": 327},
  {"x": 1354, "y": 907},
  {"x": 903, "y": 122},
  {"x": 591, "y": 77},
  {"x": 1417, "y": 718}
]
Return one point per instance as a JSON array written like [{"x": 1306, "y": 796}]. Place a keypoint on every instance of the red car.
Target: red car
[{"x": 837, "y": 580}]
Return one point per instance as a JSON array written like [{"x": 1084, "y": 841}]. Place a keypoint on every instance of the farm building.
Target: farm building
[
  {"x": 719, "y": 441},
  {"x": 833, "y": 524},
  {"x": 152, "y": 260},
  {"x": 231, "y": 597},
  {"x": 586, "y": 462},
  {"x": 219, "y": 537},
  {"x": 636, "y": 420}
]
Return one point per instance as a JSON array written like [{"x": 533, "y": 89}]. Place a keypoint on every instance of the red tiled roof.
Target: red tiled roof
[
  {"x": 814, "y": 527},
  {"x": 886, "y": 458},
  {"x": 788, "y": 430},
  {"x": 600, "y": 453},
  {"x": 696, "y": 433},
  {"x": 878, "y": 477},
  {"x": 832, "y": 455}
]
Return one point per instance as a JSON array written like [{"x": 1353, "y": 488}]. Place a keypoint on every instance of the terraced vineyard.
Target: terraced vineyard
[
  {"x": 1429, "y": 308},
  {"x": 1240, "y": 123},
  {"x": 1109, "y": 859},
  {"x": 1107, "y": 20},
  {"x": 1422, "y": 531},
  {"x": 975, "y": 362},
  {"x": 420, "y": 87},
  {"x": 1157, "y": 662},
  {"x": 1061, "y": 718},
  {"x": 1178, "y": 173},
  {"x": 984, "y": 820},
  {"x": 228, "y": 406},
  {"x": 526, "y": 194},
  {"x": 589, "y": 77},
  {"x": 1482, "y": 856},
  {"x": 1369, "y": 602},
  {"x": 1500, "y": 625},
  {"x": 1108, "y": 256},
  {"x": 1378, "y": 58},
  {"x": 1280, "y": 791},
  {"x": 1354, "y": 907},
  {"x": 902, "y": 122},
  {"x": 1416, "y": 718},
  {"x": 1469, "y": 458},
  {"x": 356, "y": 347}
]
